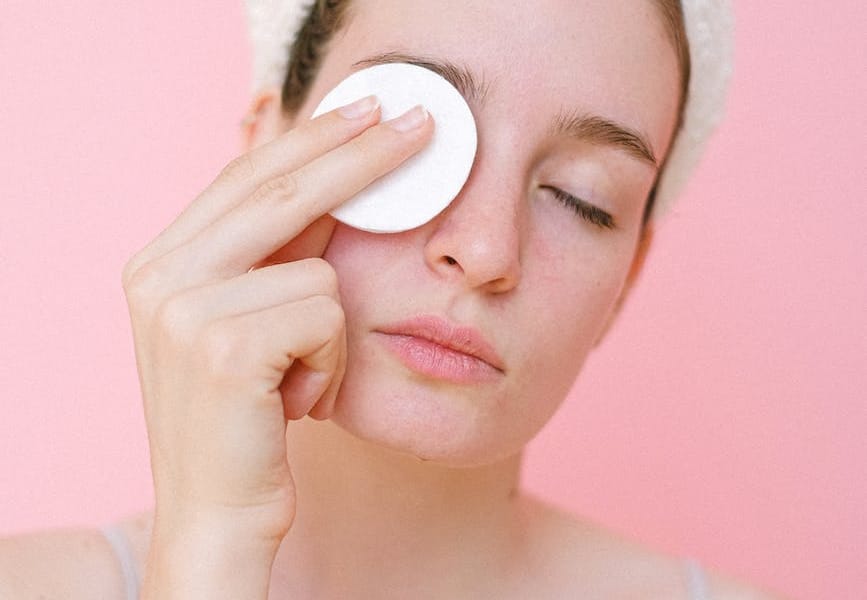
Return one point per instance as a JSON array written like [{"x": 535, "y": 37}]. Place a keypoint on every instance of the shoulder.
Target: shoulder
[
  {"x": 579, "y": 558},
  {"x": 68, "y": 563},
  {"x": 724, "y": 587}
]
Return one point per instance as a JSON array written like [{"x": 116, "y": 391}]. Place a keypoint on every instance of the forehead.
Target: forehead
[{"x": 607, "y": 57}]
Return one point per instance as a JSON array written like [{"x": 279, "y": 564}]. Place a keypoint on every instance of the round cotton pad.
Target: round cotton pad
[{"x": 424, "y": 185}]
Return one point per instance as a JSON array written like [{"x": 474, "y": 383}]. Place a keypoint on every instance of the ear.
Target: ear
[
  {"x": 264, "y": 120},
  {"x": 635, "y": 269}
]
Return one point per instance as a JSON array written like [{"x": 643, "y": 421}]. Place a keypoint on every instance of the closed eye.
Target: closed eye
[{"x": 588, "y": 212}]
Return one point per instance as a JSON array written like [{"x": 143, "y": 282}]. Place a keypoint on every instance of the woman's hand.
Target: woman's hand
[{"x": 226, "y": 355}]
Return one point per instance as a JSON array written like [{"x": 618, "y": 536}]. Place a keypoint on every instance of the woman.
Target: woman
[{"x": 426, "y": 359}]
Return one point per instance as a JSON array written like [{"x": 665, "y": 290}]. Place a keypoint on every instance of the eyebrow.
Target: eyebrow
[
  {"x": 604, "y": 132},
  {"x": 471, "y": 87},
  {"x": 578, "y": 125}
]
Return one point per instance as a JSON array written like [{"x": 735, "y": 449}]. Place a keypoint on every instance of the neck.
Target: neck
[{"x": 371, "y": 519}]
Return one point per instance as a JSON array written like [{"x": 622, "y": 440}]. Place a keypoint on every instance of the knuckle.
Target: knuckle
[
  {"x": 331, "y": 313},
  {"x": 324, "y": 275},
  {"x": 360, "y": 146},
  {"x": 239, "y": 169},
  {"x": 222, "y": 350},
  {"x": 141, "y": 284},
  {"x": 128, "y": 271},
  {"x": 175, "y": 320},
  {"x": 277, "y": 189},
  {"x": 131, "y": 272}
]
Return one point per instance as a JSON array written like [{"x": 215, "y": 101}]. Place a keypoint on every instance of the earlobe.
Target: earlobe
[
  {"x": 635, "y": 269},
  {"x": 263, "y": 121}
]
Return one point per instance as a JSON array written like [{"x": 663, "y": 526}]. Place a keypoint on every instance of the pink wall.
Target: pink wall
[{"x": 729, "y": 401}]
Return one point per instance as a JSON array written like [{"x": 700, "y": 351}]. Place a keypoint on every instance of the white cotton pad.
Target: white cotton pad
[{"x": 424, "y": 185}]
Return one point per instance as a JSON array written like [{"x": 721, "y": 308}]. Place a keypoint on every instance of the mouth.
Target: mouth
[{"x": 437, "y": 348}]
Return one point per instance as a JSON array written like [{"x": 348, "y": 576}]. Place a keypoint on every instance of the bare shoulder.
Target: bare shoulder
[
  {"x": 725, "y": 587},
  {"x": 68, "y": 563},
  {"x": 579, "y": 558}
]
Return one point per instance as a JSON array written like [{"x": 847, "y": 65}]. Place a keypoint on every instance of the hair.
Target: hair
[
  {"x": 327, "y": 17},
  {"x": 324, "y": 18}
]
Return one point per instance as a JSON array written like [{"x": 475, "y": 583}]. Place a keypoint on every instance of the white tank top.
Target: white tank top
[{"x": 696, "y": 580}]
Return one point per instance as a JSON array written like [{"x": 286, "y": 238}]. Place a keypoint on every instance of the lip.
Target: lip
[{"x": 436, "y": 347}]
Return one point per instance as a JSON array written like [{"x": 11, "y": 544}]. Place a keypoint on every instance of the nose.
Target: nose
[{"x": 477, "y": 240}]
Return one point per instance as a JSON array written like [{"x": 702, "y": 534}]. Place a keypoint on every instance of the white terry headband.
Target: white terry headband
[{"x": 273, "y": 25}]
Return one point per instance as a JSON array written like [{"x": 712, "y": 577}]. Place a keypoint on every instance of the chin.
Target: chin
[{"x": 437, "y": 425}]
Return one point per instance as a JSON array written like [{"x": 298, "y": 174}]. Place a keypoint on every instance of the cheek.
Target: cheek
[
  {"x": 577, "y": 264},
  {"x": 363, "y": 262},
  {"x": 348, "y": 265},
  {"x": 575, "y": 280},
  {"x": 357, "y": 255},
  {"x": 348, "y": 251}
]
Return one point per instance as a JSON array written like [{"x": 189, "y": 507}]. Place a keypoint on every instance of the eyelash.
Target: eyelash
[{"x": 585, "y": 210}]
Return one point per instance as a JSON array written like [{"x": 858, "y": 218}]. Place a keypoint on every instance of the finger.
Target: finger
[
  {"x": 283, "y": 207},
  {"x": 333, "y": 390},
  {"x": 324, "y": 407},
  {"x": 310, "y": 243},
  {"x": 302, "y": 390},
  {"x": 265, "y": 344},
  {"x": 189, "y": 311},
  {"x": 243, "y": 175}
]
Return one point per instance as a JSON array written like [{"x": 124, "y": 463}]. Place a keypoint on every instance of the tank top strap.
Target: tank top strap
[
  {"x": 119, "y": 542},
  {"x": 696, "y": 580}
]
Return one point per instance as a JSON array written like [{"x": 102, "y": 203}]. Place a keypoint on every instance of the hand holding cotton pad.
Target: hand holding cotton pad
[{"x": 424, "y": 185}]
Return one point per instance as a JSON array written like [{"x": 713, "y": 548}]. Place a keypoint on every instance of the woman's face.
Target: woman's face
[{"x": 508, "y": 258}]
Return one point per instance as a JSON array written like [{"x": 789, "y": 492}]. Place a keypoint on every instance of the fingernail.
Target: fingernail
[
  {"x": 359, "y": 108},
  {"x": 412, "y": 119}
]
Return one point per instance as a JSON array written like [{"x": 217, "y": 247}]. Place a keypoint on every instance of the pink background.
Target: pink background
[{"x": 725, "y": 416}]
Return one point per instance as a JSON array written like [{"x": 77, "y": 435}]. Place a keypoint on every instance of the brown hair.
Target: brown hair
[
  {"x": 675, "y": 26},
  {"x": 326, "y": 17}
]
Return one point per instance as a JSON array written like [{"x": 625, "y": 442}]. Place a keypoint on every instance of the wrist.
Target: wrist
[
  {"x": 209, "y": 558},
  {"x": 263, "y": 524}
]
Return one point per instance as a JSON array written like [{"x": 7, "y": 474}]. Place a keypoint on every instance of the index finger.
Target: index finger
[
  {"x": 283, "y": 207},
  {"x": 244, "y": 174}
]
